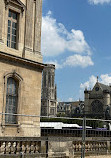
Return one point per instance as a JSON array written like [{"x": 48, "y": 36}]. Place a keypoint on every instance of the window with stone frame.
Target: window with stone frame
[
  {"x": 12, "y": 29},
  {"x": 11, "y": 101},
  {"x": 52, "y": 80},
  {"x": 44, "y": 112},
  {"x": 49, "y": 79},
  {"x": 44, "y": 79},
  {"x": 52, "y": 111}
]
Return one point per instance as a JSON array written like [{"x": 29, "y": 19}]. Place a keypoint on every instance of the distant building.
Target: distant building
[
  {"x": 69, "y": 108},
  {"x": 49, "y": 93},
  {"x": 98, "y": 100}
]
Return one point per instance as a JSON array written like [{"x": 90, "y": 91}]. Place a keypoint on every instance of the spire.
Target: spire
[{"x": 97, "y": 78}]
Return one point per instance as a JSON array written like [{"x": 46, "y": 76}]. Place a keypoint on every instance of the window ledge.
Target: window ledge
[
  {"x": 10, "y": 125},
  {"x": 13, "y": 125}
]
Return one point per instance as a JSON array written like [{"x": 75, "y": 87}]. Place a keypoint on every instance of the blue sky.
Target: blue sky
[{"x": 76, "y": 37}]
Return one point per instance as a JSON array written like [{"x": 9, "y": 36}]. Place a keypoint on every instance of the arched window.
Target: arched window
[
  {"x": 49, "y": 79},
  {"x": 11, "y": 101},
  {"x": 97, "y": 107}
]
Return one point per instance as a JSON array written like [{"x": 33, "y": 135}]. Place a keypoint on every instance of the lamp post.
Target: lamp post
[{"x": 83, "y": 137}]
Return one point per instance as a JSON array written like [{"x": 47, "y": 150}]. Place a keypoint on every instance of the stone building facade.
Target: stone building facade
[
  {"x": 70, "y": 109},
  {"x": 98, "y": 100},
  {"x": 20, "y": 67},
  {"x": 49, "y": 93}
]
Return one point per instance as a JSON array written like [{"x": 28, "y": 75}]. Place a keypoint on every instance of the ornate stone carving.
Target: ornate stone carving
[
  {"x": 32, "y": 147},
  {"x": 17, "y": 2},
  {"x": 13, "y": 148},
  {"x": 2, "y": 147},
  {"x": 8, "y": 148},
  {"x": 37, "y": 147},
  {"x": 23, "y": 148},
  {"x": 27, "y": 148},
  {"x": 18, "y": 148},
  {"x": 3, "y": 128}
]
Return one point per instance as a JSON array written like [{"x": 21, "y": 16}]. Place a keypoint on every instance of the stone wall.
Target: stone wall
[
  {"x": 52, "y": 147},
  {"x": 29, "y": 96},
  {"x": 70, "y": 147},
  {"x": 28, "y": 28}
]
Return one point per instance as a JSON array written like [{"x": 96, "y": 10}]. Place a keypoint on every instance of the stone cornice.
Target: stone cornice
[
  {"x": 22, "y": 60},
  {"x": 17, "y": 2}
]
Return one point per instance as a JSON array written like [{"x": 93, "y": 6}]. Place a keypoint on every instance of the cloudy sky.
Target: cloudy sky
[{"x": 76, "y": 37}]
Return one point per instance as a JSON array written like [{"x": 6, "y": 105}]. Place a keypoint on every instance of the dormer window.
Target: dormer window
[{"x": 12, "y": 30}]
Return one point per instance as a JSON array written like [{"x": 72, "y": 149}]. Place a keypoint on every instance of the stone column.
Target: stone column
[
  {"x": 108, "y": 147},
  {"x": 106, "y": 100},
  {"x": 86, "y": 101},
  {"x": 37, "y": 27},
  {"x": 1, "y": 18},
  {"x": 29, "y": 25}
]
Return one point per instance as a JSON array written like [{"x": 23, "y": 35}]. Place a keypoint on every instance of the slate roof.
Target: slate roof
[{"x": 105, "y": 87}]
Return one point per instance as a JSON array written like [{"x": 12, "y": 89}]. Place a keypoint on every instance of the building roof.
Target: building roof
[
  {"x": 73, "y": 103},
  {"x": 105, "y": 87},
  {"x": 59, "y": 125}
]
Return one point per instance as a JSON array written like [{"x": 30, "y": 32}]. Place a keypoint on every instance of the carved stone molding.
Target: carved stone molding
[
  {"x": 3, "y": 128},
  {"x": 17, "y": 2}
]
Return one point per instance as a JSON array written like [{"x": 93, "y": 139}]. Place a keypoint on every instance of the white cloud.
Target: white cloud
[
  {"x": 77, "y": 43},
  {"x": 99, "y": 1},
  {"x": 56, "y": 39},
  {"x": 70, "y": 99},
  {"x": 52, "y": 43},
  {"x": 73, "y": 61},
  {"x": 104, "y": 78},
  {"x": 90, "y": 83},
  {"x": 78, "y": 60}
]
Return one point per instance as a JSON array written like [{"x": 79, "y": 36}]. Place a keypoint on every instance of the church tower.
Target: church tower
[
  {"x": 20, "y": 67},
  {"x": 49, "y": 96}
]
